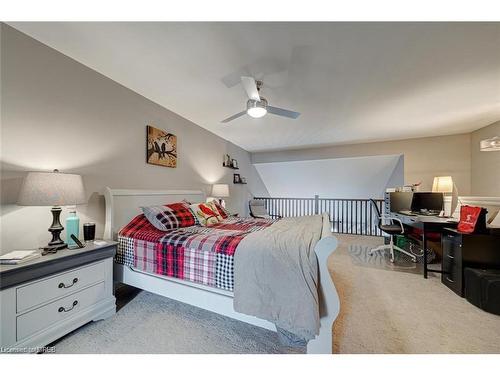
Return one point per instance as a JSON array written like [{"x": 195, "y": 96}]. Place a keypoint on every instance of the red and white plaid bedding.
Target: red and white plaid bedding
[{"x": 198, "y": 254}]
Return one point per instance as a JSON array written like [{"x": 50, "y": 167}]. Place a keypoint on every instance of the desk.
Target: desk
[{"x": 426, "y": 224}]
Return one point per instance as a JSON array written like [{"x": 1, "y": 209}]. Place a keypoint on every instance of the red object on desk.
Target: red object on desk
[{"x": 469, "y": 216}]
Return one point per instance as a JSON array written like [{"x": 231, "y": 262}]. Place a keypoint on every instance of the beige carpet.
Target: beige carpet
[
  {"x": 150, "y": 324},
  {"x": 385, "y": 311}
]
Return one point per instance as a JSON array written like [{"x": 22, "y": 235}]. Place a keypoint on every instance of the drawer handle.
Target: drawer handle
[
  {"x": 63, "y": 309},
  {"x": 449, "y": 256},
  {"x": 62, "y": 285},
  {"x": 449, "y": 280}
]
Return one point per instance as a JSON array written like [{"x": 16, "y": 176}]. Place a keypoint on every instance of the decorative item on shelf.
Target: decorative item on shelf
[
  {"x": 490, "y": 144},
  {"x": 230, "y": 163},
  {"x": 161, "y": 147},
  {"x": 52, "y": 189},
  {"x": 237, "y": 179},
  {"x": 220, "y": 191}
]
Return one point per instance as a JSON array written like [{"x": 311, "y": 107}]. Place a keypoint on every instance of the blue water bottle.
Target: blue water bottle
[{"x": 72, "y": 227}]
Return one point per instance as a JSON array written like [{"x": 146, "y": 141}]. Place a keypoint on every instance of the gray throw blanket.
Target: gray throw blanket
[{"x": 276, "y": 275}]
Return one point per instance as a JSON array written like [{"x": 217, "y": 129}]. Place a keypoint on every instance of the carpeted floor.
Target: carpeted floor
[
  {"x": 360, "y": 256},
  {"x": 147, "y": 323},
  {"x": 382, "y": 311}
]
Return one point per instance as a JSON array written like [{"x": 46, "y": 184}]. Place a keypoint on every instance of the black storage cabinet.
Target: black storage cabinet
[
  {"x": 460, "y": 250},
  {"x": 482, "y": 289}
]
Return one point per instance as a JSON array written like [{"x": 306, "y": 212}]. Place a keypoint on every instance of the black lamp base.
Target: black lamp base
[{"x": 55, "y": 229}]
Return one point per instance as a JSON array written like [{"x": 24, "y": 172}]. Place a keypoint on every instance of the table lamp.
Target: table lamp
[
  {"x": 52, "y": 189},
  {"x": 220, "y": 191},
  {"x": 444, "y": 184}
]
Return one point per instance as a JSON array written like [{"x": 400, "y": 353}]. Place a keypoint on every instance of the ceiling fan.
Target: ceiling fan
[{"x": 257, "y": 105}]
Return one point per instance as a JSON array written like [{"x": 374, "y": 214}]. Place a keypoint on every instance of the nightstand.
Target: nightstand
[{"x": 48, "y": 297}]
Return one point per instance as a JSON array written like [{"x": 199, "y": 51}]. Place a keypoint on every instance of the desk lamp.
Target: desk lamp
[{"x": 445, "y": 184}]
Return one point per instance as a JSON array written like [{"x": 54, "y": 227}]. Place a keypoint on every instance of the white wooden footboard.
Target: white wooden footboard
[{"x": 329, "y": 303}]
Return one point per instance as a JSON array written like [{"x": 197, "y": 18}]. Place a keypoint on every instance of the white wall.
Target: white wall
[
  {"x": 363, "y": 177},
  {"x": 57, "y": 113}
]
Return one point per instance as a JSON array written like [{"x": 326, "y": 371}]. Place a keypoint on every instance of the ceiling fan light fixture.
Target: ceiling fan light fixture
[
  {"x": 256, "y": 112},
  {"x": 257, "y": 109},
  {"x": 257, "y": 106}
]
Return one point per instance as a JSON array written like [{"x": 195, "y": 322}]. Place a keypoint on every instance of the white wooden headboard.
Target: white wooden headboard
[{"x": 123, "y": 204}]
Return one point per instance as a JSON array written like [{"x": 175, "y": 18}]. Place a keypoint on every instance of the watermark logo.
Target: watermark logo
[{"x": 34, "y": 349}]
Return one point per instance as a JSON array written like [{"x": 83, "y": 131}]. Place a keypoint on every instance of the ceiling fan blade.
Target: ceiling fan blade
[
  {"x": 282, "y": 112},
  {"x": 250, "y": 87},
  {"x": 234, "y": 78},
  {"x": 233, "y": 117},
  {"x": 258, "y": 69}
]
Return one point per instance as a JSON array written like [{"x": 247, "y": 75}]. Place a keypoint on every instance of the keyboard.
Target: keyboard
[
  {"x": 407, "y": 212},
  {"x": 416, "y": 213}
]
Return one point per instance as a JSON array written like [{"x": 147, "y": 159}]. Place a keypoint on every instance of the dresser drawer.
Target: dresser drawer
[
  {"x": 58, "y": 286},
  {"x": 45, "y": 316},
  {"x": 453, "y": 279}
]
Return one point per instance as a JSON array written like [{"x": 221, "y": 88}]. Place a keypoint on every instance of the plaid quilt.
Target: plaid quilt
[{"x": 198, "y": 254}]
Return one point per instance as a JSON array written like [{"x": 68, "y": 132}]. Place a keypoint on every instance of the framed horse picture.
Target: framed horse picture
[{"x": 161, "y": 147}]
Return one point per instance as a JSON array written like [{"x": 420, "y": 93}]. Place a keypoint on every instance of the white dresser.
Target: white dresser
[{"x": 44, "y": 299}]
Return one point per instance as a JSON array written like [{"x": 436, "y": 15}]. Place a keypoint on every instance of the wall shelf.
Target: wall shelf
[{"x": 229, "y": 166}]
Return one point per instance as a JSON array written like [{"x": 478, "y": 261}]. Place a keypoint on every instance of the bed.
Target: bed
[
  {"x": 205, "y": 281},
  {"x": 198, "y": 254}
]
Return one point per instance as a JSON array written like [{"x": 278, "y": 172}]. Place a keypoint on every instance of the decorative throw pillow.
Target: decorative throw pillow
[
  {"x": 222, "y": 212},
  {"x": 205, "y": 215},
  {"x": 170, "y": 216},
  {"x": 214, "y": 208}
]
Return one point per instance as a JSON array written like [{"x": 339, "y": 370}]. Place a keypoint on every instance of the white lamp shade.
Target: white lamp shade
[
  {"x": 220, "y": 190},
  {"x": 51, "y": 189},
  {"x": 442, "y": 184}
]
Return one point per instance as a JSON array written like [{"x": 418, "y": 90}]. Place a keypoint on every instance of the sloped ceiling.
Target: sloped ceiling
[
  {"x": 352, "y": 82},
  {"x": 361, "y": 177}
]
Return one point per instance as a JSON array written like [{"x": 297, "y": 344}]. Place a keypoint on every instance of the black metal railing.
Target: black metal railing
[{"x": 349, "y": 216}]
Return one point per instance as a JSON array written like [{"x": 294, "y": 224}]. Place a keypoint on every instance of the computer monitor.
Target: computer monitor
[
  {"x": 427, "y": 202},
  {"x": 400, "y": 201}
]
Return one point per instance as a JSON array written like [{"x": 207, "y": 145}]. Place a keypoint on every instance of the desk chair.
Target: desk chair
[
  {"x": 257, "y": 209},
  {"x": 392, "y": 229}
]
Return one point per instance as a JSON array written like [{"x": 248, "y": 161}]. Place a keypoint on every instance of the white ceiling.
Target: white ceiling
[{"x": 352, "y": 82}]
